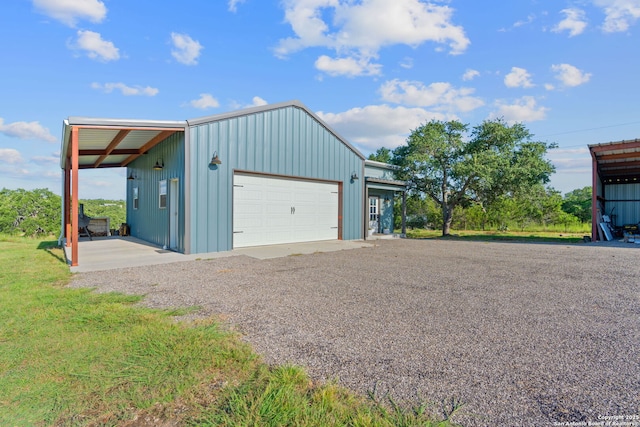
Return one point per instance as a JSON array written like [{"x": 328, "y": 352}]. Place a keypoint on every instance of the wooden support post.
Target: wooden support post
[
  {"x": 594, "y": 198},
  {"x": 66, "y": 205},
  {"x": 74, "y": 196}
]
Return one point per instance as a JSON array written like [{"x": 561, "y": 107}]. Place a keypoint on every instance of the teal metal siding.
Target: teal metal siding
[
  {"x": 283, "y": 141},
  {"x": 378, "y": 172},
  {"x": 149, "y": 222}
]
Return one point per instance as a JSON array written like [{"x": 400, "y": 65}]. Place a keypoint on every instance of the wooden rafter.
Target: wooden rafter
[
  {"x": 619, "y": 165},
  {"x": 149, "y": 145},
  {"x": 617, "y": 156},
  {"x": 112, "y": 145}
]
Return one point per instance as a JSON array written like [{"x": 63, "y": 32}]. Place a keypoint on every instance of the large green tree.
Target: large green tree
[
  {"x": 383, "y": 155},
  {"x": 452, "y": 168},
  {"x": 578, "y": 203}
]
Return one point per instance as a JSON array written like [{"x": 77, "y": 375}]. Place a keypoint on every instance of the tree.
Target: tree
[
  {"x": 381, "y": 155},
  {"x": 578, "y": 203},
  {"x": 499, "y": 159},
  {"x": 30, "y": 213}
]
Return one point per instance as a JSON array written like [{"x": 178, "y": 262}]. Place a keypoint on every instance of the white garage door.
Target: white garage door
[{"x": 269, "y": 211}]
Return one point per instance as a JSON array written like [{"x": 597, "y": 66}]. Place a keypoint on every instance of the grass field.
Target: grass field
[
  {"x": 505, "y": 236},
  {"x": 72, "y": 357}
]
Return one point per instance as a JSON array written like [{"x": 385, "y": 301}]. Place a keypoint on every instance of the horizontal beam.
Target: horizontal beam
[
  {"x": 101, "y": 166},
  {"x": 619, "y": 165},
  {"x": 617, "y": 156},
  {"x": 129, "y": 128},
  {"x": 116, "y": 152}
]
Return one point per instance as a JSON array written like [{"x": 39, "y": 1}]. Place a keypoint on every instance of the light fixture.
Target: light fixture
[
  {"x": 354, "y": 176},
  {"x": 158, "y": 166},
  {"x": 215, "y": 160},
  {"x": 131, "y": 177}
]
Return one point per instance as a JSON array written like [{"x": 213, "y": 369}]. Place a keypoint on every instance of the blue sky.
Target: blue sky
[{"x": 372, "y": 69}]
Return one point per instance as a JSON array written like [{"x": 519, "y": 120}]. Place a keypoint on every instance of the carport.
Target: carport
[
  {"x": 103, "y": 143},
  {"x": 615, "y": 183}
]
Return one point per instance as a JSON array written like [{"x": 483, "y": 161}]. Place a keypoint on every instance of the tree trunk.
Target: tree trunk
[{"x": 447, "y": 218}]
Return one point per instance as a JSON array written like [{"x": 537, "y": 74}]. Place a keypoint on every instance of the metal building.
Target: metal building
[
  {"x": 260, "y": 176},
  {"x": 615, "y": 184}
]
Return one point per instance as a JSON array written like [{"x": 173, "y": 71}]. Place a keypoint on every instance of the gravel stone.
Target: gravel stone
[{"x": 522, "y": 334}]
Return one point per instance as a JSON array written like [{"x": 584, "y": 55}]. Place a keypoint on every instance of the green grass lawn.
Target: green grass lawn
[
  {"x": 74, "y": 357},
  {"x": 505, "y": 236}
]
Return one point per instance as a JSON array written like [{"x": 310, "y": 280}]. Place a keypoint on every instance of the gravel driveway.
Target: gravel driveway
[{"x": 522, "y": 334}]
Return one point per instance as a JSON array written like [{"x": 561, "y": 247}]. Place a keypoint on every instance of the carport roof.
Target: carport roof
[
  {"x": 107, "y": 143},
  {"x": 617, "y": 162}
]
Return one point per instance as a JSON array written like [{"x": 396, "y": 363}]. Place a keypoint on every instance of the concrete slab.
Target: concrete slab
[{"x": 108, "y": 253}]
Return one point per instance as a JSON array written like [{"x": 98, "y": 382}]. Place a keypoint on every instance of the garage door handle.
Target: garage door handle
[
  {"x": 293, "y": 210},
  {"x": 238, "y": 232},
  {"x": 334, "y": 227}
]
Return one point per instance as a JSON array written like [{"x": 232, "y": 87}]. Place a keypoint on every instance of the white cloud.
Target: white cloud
[
  {"x": 46, "y": 160},
  {"x": 350, "y": 67},
  {"x": 574, "y": 21},
  {"x": 186, "y": 50},
  {"x": 70, "y": 11},
  {"x": 95, "y": 47},
  {"x": 407, "y": 63},
  {"x": 470, "y": 74},
  {"x": 233, "y": 5},
  {"x": 570, "y": 75},
  {"x": 205, "y": 101},
  {"x": 571, "y": 161},
  {"x": 26, "y": 130},
  {"x": 620, "y": 14},
  {"x": 376, "y": 126},
  {"x": 10, "y": 156},
  {"x": 358, "y": 30},
  {"x": 522, "y": 23},
  {"x": 440, "y": 95},
  {"x": 518, "y": 77},
  {"x": 126, "y": 90},
  {"x": 524, "y": 109},
  {"x": 258, "y": 102}
]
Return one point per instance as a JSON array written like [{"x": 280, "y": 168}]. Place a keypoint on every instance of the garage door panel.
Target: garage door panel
[{"x": 270, "y": 210}]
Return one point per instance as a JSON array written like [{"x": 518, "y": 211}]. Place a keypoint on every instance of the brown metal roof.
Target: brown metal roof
[{"x": 617, "y": 162}]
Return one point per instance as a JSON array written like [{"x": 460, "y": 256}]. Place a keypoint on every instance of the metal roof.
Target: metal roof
[
  {"x": 107, "y": 143},
  {"x": 617, "y": 162},
  {"x": 260, "y": 109},
  {"x": 381, "y": 165}
]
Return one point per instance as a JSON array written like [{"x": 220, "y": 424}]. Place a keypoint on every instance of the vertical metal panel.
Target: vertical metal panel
[
  {"x": 623, "y": 202},
  {"x": 149, "y": 222},
  {"x": 285, "y": 141}
]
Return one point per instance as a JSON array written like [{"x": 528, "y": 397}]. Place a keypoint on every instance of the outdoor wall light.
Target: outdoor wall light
[
  {"x": 215, "y": 160},
  {"x": 131, "y": 177},
  {"x": 159, "y": 165},
  {"x": 354, "y": 176}
]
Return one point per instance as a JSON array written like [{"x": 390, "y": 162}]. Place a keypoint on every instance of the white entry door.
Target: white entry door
[
  {"x": 269, "y": 210},
  {"x": 374, "y": 214}
]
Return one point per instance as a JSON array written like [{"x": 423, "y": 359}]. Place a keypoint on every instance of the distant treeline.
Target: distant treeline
[
  {"x": 543, "y": 209},
  {"x": 38, "y": 212}
]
